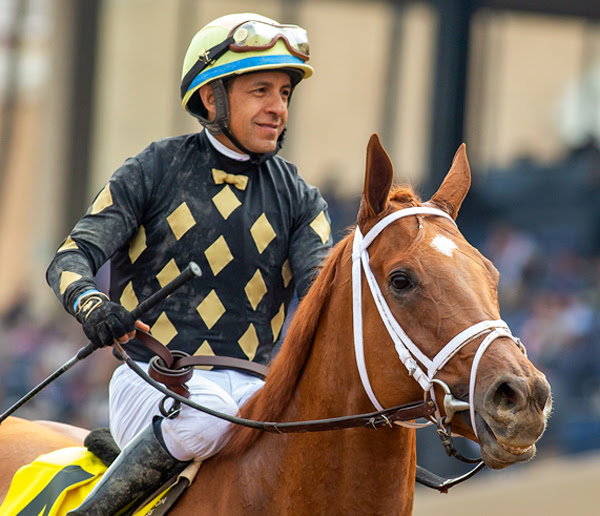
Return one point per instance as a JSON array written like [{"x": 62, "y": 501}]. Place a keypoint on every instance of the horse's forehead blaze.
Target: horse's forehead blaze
[{"x": 443, "y": 245}]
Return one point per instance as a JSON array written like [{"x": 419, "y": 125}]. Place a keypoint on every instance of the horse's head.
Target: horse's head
[{"x": 437, "y": 297}]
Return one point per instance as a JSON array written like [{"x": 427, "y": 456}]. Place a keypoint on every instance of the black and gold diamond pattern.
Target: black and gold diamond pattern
[
  {"x": 67, "y": 278},
  {"x": 168, "y": 273},
  {"x": 277, "y": 322},
  {"x": 211, "y": 309},
  {"x": 321, "y": 227},
  {"x": 255, "y": 289},
  {"x": 103, "y": 200},
  {"x": 137, "y": 245},
  {"x": 262, "y": 233},
  {"x": 204, "y": 350},
  {"x": 163, "y": 329},
  {"x": 218, "y": 255},
  {"x": 257, "y": 232},
  {"x": 181, "y": 220},
  {"x": 286, "y": 273},
  {"x": 68, "y": 245},
  {"x": 128, "y": 298},
  {"x": 226, "y": 202},
  {"x": 249, "y": 342}
]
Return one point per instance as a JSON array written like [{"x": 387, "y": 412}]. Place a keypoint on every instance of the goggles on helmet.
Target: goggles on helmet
[
  {"x": 255, "y": 35},
  {"x": 251, "y": 36}
]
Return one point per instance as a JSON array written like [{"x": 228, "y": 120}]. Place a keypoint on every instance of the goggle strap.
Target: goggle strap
[{"x": 207, "y": 57}]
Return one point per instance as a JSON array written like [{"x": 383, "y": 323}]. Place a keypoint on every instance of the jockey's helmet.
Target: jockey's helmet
[{"x": 233, "y": 45}]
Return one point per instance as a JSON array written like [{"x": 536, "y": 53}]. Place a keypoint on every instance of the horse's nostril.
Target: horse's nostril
[
  {"x": 543, "y": 397},
  {"x": 505, "y": 396}
]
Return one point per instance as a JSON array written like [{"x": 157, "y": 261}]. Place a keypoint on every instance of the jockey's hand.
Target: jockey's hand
[{"x": 104, "y": 321}]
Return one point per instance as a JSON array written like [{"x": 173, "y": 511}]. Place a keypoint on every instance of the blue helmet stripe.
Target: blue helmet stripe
[{"x": 249, "y": 62}]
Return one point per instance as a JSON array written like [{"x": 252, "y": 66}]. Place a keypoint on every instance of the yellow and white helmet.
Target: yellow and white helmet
[{"x": 233, "y": 45}]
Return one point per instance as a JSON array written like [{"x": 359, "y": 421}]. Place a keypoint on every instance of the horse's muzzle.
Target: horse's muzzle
[{"x": 512, "y": 418}]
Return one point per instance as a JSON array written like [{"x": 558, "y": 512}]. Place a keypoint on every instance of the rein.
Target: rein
[
  {"x": 172, "y": 389},
  {"x": 372, "y": 420}
]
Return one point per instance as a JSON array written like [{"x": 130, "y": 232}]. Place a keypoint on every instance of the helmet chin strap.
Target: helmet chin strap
[{"x": 255, "y": 157}]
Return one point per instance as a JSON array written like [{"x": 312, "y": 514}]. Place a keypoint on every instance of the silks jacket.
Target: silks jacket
[{"x": 258, "y": 232}]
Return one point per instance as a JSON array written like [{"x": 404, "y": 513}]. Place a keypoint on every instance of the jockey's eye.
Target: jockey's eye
[{"x": 401, "y": 281}]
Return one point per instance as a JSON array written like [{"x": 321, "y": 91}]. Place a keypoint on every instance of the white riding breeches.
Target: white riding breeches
[{"x": 192, "y": 434}]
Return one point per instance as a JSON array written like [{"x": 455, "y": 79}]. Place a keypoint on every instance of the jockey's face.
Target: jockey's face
[{"x": 258, "y": 109}]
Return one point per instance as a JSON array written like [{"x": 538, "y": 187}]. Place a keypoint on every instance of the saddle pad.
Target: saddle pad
[{"x": 55, "y": 483}]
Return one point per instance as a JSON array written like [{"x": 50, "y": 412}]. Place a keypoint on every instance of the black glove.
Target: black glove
[{"x": 103, "y": 321}]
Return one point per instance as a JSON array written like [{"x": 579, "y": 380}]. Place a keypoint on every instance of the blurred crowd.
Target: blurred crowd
[
  {"x": 545, "y": 241},
  {"x": 551, "y": 301},
  {"x": 539, "y": 224},
  {"x": 31, "y": 350}
]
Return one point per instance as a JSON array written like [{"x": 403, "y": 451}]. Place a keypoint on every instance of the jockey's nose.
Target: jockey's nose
[{"x": 277, "y": 105}]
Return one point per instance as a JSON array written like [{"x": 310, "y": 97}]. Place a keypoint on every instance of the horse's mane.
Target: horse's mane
[{"x": 286, "y": 369}]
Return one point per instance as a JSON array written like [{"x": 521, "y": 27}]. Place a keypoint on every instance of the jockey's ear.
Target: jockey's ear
[
  {"x": 455, "y": 186},
  {"x": 379, "y": 176}
]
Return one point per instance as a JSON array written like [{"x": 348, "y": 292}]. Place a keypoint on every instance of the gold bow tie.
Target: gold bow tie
[{"x": 239, "y": 181}]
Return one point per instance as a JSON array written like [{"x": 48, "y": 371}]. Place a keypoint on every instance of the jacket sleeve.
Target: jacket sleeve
[
  {"x": 311, "y": 238},
  {"x": 109, "y": 224}
]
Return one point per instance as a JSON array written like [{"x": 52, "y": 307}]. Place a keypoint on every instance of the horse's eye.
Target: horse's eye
[{"x": 401, "y": 281}]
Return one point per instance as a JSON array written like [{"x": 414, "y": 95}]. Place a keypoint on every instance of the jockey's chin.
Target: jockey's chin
[{"x": 258, "y": 136}]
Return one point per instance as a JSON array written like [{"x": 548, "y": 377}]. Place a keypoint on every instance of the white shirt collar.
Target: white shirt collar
[{"x": 226, "y": 151}]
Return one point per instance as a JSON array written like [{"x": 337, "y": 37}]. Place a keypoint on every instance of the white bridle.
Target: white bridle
[{"x": 410, "y": 355}]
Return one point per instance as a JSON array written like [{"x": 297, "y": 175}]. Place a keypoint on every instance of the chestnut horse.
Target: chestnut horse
[{"x": 441, "y": 318}]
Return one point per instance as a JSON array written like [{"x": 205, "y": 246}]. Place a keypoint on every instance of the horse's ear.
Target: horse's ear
[
  {"x": 379, "y": 176},
  {"x": 456, "y": 184}
]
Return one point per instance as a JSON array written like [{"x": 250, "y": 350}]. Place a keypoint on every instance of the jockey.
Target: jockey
[{"x": 222, "y": 198}]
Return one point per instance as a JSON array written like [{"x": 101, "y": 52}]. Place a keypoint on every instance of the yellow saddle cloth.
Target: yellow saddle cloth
[{"x": 55, "y": 483}]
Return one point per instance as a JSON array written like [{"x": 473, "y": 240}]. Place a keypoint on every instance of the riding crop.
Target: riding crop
[{"x": 190, "y": 272}]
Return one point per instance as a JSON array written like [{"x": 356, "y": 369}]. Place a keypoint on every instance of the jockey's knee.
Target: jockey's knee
[{"x": 196, "y": 435}]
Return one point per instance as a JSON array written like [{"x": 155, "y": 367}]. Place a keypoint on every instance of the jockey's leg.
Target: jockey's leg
[
  {"x": 152, "y": 453},
  {"x": 144, "y": 465},
  {"x": 192, "y": 434}
]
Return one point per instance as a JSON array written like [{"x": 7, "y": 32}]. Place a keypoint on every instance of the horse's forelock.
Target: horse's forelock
[{"x": 405, "y": 195}]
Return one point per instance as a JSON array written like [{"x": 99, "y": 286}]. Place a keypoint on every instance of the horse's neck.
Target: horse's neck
[
  {"x": 346, "y": 468},
  {"x": 337, "y": 472}
]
